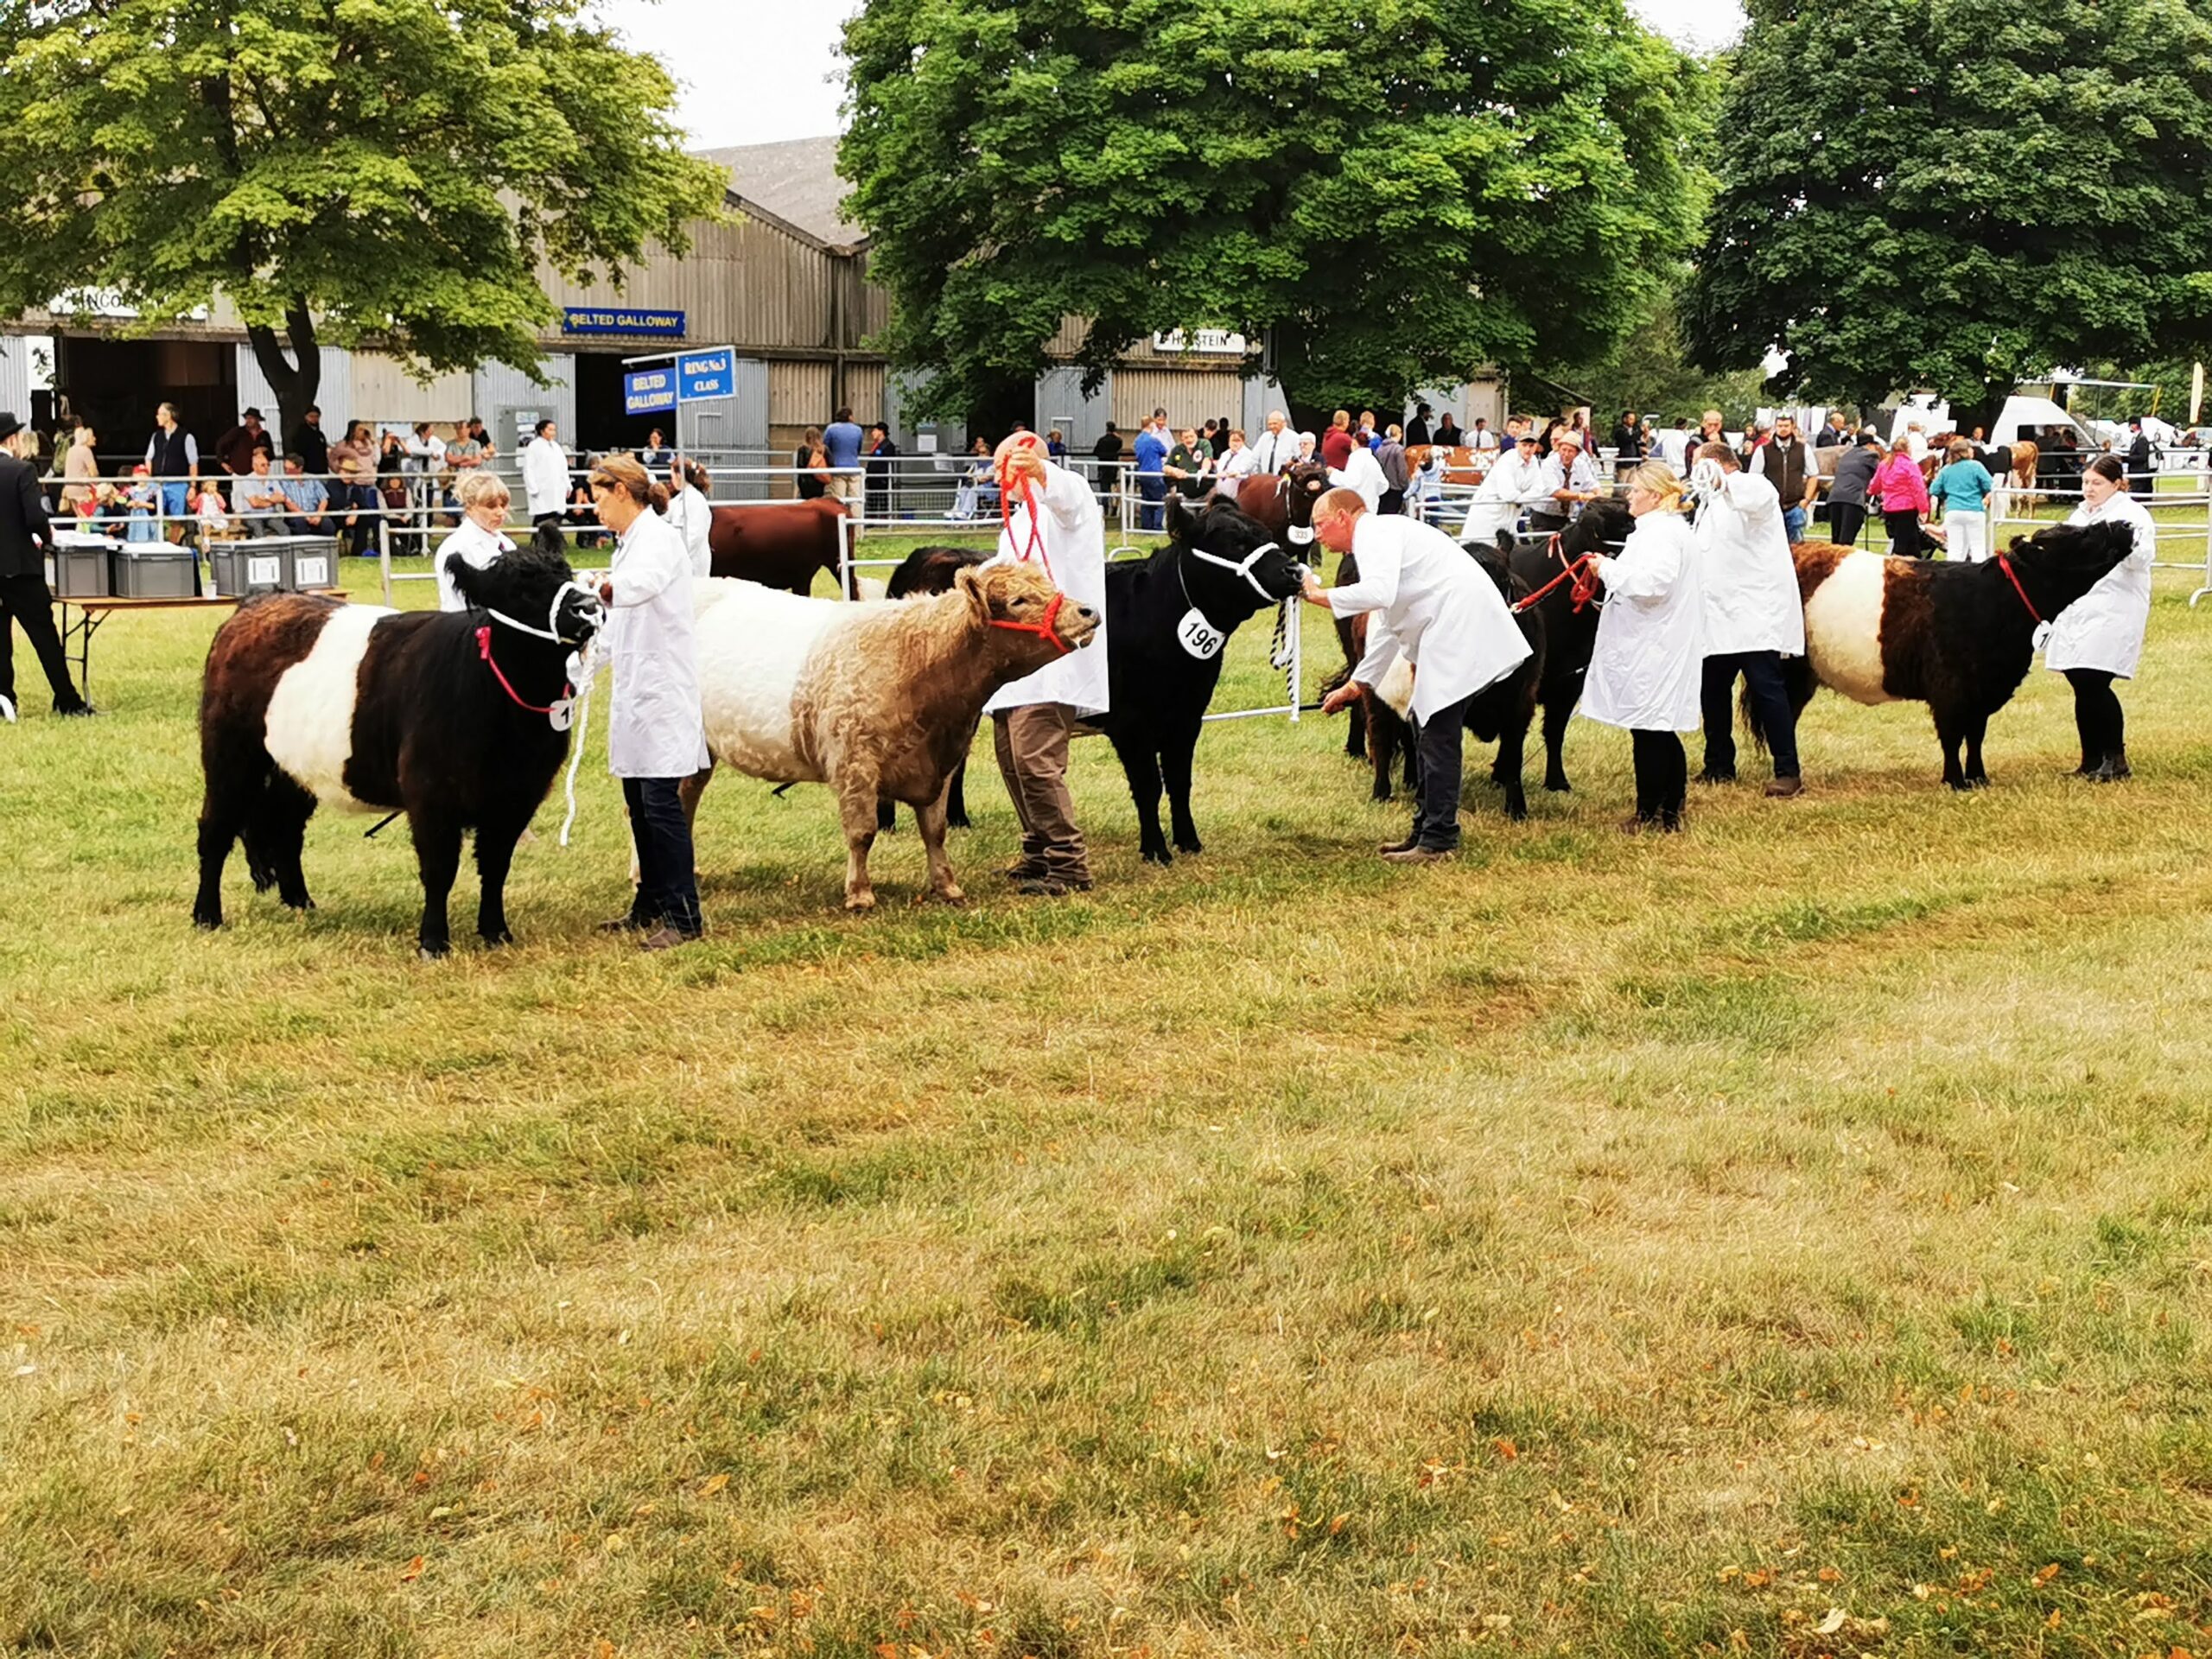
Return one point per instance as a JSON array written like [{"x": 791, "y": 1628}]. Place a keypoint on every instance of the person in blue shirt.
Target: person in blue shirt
[
  {"x": 1961, "y": 489},
  {"x": 308, "y": 500},
  {"x": 1151, "y": 477},
  {"x": 841, "y": 447}
]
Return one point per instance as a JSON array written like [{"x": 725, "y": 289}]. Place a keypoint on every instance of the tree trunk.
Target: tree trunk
[{"x": 296, "y": 381}]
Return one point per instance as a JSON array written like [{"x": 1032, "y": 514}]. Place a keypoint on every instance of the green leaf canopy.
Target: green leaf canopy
[{"x": 1402, "y": 192}]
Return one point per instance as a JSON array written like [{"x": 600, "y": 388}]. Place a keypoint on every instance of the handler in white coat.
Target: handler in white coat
[
  {"x": 1753, "y": 616},
  {"x": 691, "y": 513},
  {"x": 1425, "y": 598},
  {"x": 1362, "y": 475},
  {"x": 545, "y": 475},
  {"x": 1055, "y": 516},
  {"x": 1513, "y": 484},
  {"x": 2098, "y": 638},
  {"x": 479, "y": 541},
  {"x": 1646, "y": 665},
  {"x": 655, "y": 735}
]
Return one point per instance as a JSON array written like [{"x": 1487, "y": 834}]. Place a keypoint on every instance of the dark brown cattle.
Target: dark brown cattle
[{"x": 778, "y": 543}]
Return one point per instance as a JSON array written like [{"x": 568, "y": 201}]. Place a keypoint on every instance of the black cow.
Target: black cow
[
  {"x": 1570, "y": 630},
  {"x": 459, "y": 719},
  {"x": 932, "y": 570},
  {"x": 1218, "y": 569}
]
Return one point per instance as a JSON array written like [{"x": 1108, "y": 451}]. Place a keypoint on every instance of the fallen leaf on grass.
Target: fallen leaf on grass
[
  {"x": 1831, "y": 1624},
  {"x": 412, "y": 1571},
  {"x": 2046, "y": 1574},
  {"x": 712, "y": 1484}
]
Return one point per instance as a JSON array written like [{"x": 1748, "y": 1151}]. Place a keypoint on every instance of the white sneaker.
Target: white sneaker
[{"x": 8, "y": 710}]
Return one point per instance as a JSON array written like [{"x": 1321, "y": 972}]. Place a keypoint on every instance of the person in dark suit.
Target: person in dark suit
[
  {"x": 25, "y": 600},
  {"x": 2141, "y": 479}
]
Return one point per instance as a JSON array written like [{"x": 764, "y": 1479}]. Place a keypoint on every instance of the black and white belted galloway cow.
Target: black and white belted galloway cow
[
  {"x": 1169, "y": 622},
  {"x": 459, "y": 719},
  {"x": 876, "y": 698},
  {"x": 1959, "y": 637}
]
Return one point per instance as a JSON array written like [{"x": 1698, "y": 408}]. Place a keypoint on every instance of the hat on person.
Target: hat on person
[
  {"x": 1567, "y": 437},
  {"x": 8, "y": 425},
  {"x": 1528, "y": 437}
]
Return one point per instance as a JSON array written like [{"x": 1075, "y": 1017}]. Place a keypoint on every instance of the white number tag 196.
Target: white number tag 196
[{"x": 1199, "y": 637}]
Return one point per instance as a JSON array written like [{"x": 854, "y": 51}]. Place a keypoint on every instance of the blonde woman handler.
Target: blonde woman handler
[
  {"x": 1647, "y": 665},
  {"x": 2098, "y": 638},
  {"x": 655, "y": 739},
  {"x": 479, "y": 541}
]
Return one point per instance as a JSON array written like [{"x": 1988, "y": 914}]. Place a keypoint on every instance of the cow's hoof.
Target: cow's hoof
[
  {"x": 860, "y": 902},
  {"x": 957, "y": 821},
  {"x": 1157, "y": 855},
  {"x": 1982, "y": 782},
  {"x": 1193, "y": 846},
  {"x": 945, "y": 895},
  {"x": 264, "y": 877},
  {"x": 207, "y": 920},
  {"x": 493, "y": 941},
  {"x": 429, "y": 952},
  {"x": 301, "y": 903},
  {"x": 1517, "y": 810},
  {"x": 1559, "y": 785},
  {"x": 1378, "y": 795}
]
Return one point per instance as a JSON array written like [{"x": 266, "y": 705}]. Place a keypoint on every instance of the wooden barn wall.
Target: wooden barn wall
[{"x": 747, "y": 285}]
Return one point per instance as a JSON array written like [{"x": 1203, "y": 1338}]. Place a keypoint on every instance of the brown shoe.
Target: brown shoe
[
  {"x": 1051, "y": 886},
  {"x": 1783, "y": 789},
  {"x": 1405, "y": 845},
  {"x": 1421, "y": 855},
  {"x": 667, "y": 939},
  {"x": 624, "y": 925},
  {"x": 1023, "y": 870}
]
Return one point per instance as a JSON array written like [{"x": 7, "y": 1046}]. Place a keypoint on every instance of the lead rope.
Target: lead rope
[{"x": 587, "y": 678}]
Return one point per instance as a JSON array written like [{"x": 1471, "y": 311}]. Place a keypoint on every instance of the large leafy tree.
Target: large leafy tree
[
  {"x": 1928, "y": 192},
  {"x": 1649, "y": 370},
  {"x": 1401, "y": 190},
  {"x": 389, "y": 172}
]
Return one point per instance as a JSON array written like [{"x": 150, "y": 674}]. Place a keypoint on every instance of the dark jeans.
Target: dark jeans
[
  {"x": 26, "y": 603},
  {"x": 1793, "y": 523},
  {"x": 1846, "y": 520},
  {"x": 1762, "y": 672},
  {"x": 667, "y": 886},
  {"x": 1662, "y": 776},
  {"x": 1904, "y": 530},
  {"x": 1392, "y": 501},
  {"x": 2097, "y": 714},
  {"x": 1153, "y": 487},
  {"x": 361, "y": 536},
  {"x": 1436, "y": 804}
]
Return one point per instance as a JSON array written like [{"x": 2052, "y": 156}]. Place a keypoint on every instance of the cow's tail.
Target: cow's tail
[{"x": 1797, "y": 684}]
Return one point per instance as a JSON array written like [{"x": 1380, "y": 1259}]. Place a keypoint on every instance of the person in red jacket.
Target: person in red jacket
[{"x": 1904, "y": 495}]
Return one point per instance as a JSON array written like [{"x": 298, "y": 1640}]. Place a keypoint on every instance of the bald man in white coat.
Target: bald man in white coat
[
  {"x": 1425, "y": 598},
  {"x": 1055, "y": 514}
]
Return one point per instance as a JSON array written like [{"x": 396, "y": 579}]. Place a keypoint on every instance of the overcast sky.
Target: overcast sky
[{"x": 751, "y": 84}]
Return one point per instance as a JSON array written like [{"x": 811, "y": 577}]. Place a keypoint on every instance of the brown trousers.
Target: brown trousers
[{"x": 1033, "y": 749}]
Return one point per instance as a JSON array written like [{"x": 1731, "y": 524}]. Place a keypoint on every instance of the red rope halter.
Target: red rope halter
[
  {"x": 2004, "y": 564},
  {"x": 1023, "y": 493},
  {"x": 484, "y": 650},
  {"x": 1046, "y": 629},
  {"x": 1581, "y": 572}
]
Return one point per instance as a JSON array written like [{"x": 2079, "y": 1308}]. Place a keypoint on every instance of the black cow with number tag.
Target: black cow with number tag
[{"x": 1168, "y": 623}]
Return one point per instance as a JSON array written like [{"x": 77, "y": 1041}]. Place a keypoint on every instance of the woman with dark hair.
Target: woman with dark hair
[
  {"x": 655, "y": 737},
  {"x": 656, "y": 455},
  {"x": 2098, "y": 638},
  {"x": 1904, "y": 495}
]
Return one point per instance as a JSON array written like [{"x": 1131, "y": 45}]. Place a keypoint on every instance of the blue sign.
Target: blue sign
[
  {"x": 709, "y": 374},
  {"x": 648, "y": 391},
  {"x": 606, "y": 319}
]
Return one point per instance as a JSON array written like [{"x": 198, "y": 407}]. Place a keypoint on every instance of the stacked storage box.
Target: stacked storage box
[
  {"x": 156, "y": 570},
  {"x": 275, "y": 565},
  {"x": 80, "y": 565}
]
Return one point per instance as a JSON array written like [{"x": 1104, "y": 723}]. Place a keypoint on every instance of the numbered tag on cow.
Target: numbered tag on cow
[
  {"x": 1199, "y": 637},
  {"x": 2041, "y": 638},
  {"x": 561, "y": 714},
  {"x": 1301, "y": 534}
]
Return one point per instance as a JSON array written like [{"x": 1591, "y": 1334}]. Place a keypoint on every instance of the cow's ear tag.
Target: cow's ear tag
[
  {"x": 2043, "y": 636},
  {"x": 1199, "y": 637},
  {"x": 562, "y": 713}
]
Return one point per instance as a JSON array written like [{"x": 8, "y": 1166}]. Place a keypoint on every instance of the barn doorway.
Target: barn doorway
[{"x": 118, "y": 384}]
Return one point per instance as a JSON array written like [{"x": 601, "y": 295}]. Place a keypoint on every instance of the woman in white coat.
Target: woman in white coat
[
  {"x": 544, "y": 476},
  {"x": 2098, "y": 638},
  {"x": 691, "y": 513},
  {"x": 479, "y": 541},
  {"x": 655, "y": 738},
  {"x": 1648, "y": 662}
]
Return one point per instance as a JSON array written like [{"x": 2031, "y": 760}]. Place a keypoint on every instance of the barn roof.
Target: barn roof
[{"x": 795, "y": 181}]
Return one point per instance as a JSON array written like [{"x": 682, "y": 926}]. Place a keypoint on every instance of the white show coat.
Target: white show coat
[
  {"x": 1363, "y": 472},
  {"x": 1648, "y": 664},
  {"x": 1745, "y": 569},
  {"x": 1273, "y": 451},
  {"x": 693, "y": 515},
  {"x": 475, "y": 546},
  {"x": 2103, "y": 629},
  {"x": 1435, "y": 605},
  {"x": 654, "y": 728},
  {"x": 544, "y": 477},
  {"x": 1075, "y": 547},
  {"x": 1513, "y": 484}
]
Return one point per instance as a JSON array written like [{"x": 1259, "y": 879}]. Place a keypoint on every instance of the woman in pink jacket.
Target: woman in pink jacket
[{"x": 1903, "y": 492}]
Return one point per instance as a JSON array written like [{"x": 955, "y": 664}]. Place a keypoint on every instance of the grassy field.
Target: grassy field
[{"x": 1794, "y": 1237}]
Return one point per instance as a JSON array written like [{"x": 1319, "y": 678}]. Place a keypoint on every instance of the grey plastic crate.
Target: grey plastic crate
[
  {"x": 310, "y": 563},
  {"x": 80, "y": 566},
  {"x": 272, "y": 564},
  {"x": 161, "y": 573}
]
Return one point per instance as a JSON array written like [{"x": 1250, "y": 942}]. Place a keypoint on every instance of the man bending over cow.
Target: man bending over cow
[
  {"x": 1053, "y": 517},
  {"x": 1432, "y": 603},
  {"x": 1753, "y": 617}
]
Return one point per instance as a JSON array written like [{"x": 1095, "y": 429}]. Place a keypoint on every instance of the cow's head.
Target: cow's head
[
  {"x": 1016, "y": 607},
  {"x": 1234, "y": 568},
  {"x": 1602, "y": 527},
  {"x": 1304, "y": 483},
  {"x": 533, "y": 586},
  {"x": 2060, "y": 562}
]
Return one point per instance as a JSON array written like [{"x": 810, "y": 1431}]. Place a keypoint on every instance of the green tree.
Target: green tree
[
  {"x": 1928, "y": 193},
  {"x": 1649, "y": 370},
  {"x": 389, "y": 174},
  {"x": 1400, "y": 191}
]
